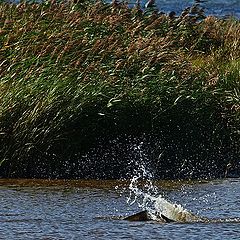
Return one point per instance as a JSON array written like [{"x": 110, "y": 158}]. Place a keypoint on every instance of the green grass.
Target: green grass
[{"x": 72, "y": 74}]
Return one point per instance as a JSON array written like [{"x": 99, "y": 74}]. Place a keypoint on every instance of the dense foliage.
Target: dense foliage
[{"x": 77, "y": 77}]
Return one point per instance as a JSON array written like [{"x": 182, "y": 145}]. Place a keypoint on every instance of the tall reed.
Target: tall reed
[{"x": 73, "y": 72}]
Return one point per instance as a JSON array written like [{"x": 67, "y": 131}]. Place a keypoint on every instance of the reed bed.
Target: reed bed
[{"x": 74, "y": 73}]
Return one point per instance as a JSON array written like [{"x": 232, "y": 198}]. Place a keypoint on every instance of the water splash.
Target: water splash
[
  {"x": 157, "y": 206},
  {"x": 141, "y": 185},
  {"x": 145, "y": 194}
]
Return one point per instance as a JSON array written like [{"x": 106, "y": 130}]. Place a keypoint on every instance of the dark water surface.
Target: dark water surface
[{"x": 92, "y": 209}]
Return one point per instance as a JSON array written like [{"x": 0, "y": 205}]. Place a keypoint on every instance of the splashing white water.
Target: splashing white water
[
  {"x": 146, "y": 195},
  {"x": 141, "y": 186},
  {"x": 173, "y": 211}
]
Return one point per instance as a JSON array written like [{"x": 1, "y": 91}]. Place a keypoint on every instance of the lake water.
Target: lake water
[
  {"x": 212, "y": 7},
  {"x": 31, "y": 209},
  {"x": 220, "y": 8}
]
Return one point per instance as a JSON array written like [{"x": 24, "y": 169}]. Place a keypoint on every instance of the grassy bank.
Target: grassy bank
[{"x": 82, "y": 84}]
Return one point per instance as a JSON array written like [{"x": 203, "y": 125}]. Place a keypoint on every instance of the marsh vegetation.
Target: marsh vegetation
[{"x": 75, "y": 77}]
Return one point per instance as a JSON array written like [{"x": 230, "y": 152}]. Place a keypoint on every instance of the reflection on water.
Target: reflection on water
[{"x": 91, "y": 210}]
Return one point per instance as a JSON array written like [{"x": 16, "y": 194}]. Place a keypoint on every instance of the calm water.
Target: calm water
[
  {"x": 212, "y": 7},
  {"x": 92, "y": 210}
]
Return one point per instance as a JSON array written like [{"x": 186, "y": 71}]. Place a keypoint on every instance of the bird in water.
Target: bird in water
[
  {"x": 172, "y": 15},
  {"x": 150, "y": 7},
  {"x": 150, "y": 4}
]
